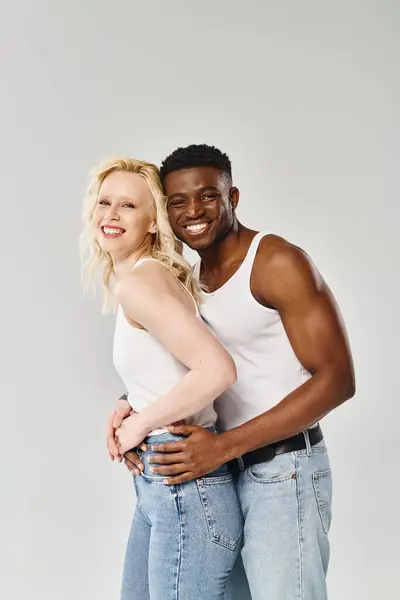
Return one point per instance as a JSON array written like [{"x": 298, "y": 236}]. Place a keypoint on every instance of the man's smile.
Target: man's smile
[{"x": 197, "y": 228}]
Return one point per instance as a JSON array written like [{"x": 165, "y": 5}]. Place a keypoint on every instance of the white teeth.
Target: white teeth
[
  {"x": 197, "y": 228},
  {"x": 111, "y": 231}
]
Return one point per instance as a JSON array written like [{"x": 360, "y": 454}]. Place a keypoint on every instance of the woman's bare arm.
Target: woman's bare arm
[{"x": 147, "y": 298}]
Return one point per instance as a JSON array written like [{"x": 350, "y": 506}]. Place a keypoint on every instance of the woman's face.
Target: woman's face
[{"x": 123, "y": 214}]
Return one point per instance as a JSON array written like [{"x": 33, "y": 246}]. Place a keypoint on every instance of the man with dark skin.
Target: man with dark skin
[{"x": 284, "y": 489}]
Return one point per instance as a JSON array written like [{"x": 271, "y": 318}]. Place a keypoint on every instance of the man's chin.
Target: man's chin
[{"x": 197, "y": 243}]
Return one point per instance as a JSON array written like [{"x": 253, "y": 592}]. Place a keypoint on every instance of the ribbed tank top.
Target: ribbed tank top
[
  {"x": 267, "y": 367},
  {"x": 147, "y": 369}
]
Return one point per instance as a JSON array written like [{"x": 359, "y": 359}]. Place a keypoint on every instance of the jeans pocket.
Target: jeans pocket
[
  {"x": 280, "y": 469},
  {"x": 322, "y": 483},
  {"x": 221, "y": 510}
]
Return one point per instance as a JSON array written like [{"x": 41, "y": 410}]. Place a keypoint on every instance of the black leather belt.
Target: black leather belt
[{"x": 266, "y": 453}]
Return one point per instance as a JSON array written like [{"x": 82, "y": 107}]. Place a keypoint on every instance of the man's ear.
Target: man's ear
[{"x": 234, "y": 197}]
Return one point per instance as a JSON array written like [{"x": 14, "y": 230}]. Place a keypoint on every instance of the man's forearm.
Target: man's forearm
[{"x": 296, "y": 412}]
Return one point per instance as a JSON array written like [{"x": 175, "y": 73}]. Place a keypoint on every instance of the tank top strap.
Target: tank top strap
[
  {"x": 191, "y": 296},
  {"x": 248, "y": 259},
  {"x": 196, "y": 269},
  {"x": 252, "y": 251},
  {"x": 143, "y": 260},
  {"x": 147, "y": 259}
]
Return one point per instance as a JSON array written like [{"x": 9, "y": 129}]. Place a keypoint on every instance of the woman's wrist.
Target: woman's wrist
[
  {"x": 123, "y": 408},
  {"x": 144, "y": 422}
]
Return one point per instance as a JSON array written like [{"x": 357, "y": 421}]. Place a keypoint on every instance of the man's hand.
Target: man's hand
[
  {"x": 133, "y": 462},
  {"x": 199, "y": 454}
]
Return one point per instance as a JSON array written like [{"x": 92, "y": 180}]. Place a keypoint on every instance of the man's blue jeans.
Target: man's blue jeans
[{"x": 286, "y": 504}]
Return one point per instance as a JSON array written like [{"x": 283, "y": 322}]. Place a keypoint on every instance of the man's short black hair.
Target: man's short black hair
[{"x": 196, "y": 155}]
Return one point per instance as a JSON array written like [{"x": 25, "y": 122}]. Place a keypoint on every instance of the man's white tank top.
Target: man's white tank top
[
  {"x": 267, "y": 367},
  {"x": 148, "y": 370}
]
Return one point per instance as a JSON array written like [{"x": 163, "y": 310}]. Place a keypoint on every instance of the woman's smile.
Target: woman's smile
[{"x": 112, "y": 232}]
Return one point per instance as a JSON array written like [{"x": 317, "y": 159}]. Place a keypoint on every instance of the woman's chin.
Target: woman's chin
[{"x": 109, "y": 244}]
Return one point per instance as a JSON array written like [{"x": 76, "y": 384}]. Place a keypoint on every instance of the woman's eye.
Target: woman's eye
[
  {"x": 104, "y": 202},
  {"x": 128, "y": 205}
]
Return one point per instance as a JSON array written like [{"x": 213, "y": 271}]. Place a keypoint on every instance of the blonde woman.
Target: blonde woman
[{"x": 185, "y": 538}]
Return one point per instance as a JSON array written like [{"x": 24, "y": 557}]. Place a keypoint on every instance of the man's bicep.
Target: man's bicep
[
  {"x": 316, "y": 332},
  {"x": 309, "y": 312}
]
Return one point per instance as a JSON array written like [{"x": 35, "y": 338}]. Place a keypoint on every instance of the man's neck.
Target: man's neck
[{"x": 228, "y": 249}]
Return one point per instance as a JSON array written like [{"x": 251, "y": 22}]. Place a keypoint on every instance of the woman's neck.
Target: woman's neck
[{"x": 124, "y": 264}]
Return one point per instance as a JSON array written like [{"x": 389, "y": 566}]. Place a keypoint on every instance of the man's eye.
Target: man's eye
[
  {"x": 176, "y": 203},
  {"x": 208, "y": 197}
]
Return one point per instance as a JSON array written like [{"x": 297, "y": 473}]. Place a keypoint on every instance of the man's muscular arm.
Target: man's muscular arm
[{"x": 285, "y": 279}]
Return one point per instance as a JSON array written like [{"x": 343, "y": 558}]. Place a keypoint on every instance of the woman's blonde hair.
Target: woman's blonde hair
[{"x": 165, "y": 248}]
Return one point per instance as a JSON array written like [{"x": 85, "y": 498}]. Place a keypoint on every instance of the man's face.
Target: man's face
[{"x": 200, "y": 205}]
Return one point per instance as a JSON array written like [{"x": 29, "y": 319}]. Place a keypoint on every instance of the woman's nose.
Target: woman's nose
[{"x": 112, "y": 215}]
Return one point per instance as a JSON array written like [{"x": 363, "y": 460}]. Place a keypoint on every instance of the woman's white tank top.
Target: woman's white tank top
[
  {"x": 267, "y": 367},
  {"x": 147, "y": 369}
]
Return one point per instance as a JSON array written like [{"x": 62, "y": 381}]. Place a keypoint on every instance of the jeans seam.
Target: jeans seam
[
  {"x": 179, "y": 511},
  {"x": 321, "y": 504},
  {"x": 300, "y": 530},
  {"x": 215, "y": 480},
  {"x": 318, "y": 474},
  {"x": 146, "y": 518},
  {"x": 138, "y": 504},
  {"x": 153, "y": 478},
  {"x": 312, "y": 451},
  {"x": 271, "y": 480},
  {"x": 214, "y": 535}
]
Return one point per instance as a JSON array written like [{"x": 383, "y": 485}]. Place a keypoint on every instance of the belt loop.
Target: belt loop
[
  {"x": 307, "y": 440},
  {"x": 241, "y": 463}
]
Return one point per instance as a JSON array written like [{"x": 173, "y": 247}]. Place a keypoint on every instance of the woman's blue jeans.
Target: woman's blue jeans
[{"x": 184, "y": 538}]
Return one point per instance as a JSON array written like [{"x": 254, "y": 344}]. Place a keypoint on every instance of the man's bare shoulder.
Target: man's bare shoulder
[
  {"x": 276, "y": 252},
  {"x": 283, "y": 270}
]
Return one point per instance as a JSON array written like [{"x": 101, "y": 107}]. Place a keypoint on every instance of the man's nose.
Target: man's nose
[{"x": 195, "y": 209}]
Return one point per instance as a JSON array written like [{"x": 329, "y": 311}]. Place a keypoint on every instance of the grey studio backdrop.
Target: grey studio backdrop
[{"x": 304, "y": 97}]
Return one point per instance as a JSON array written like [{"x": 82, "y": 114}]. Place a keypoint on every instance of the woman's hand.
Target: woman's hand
[
  {"x": 130, "y": 434},
  {"x": 122, "y": 410}
]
